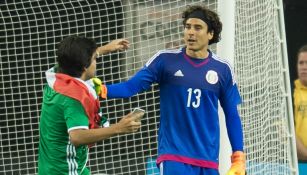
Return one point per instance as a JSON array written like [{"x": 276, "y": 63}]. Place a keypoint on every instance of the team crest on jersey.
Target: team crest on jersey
[{"x": 212, "y": 77}]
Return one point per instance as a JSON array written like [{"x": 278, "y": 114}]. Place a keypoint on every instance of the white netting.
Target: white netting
[
  {"x": 261, "y": 76},
  {"x": 30, "y": 30}
]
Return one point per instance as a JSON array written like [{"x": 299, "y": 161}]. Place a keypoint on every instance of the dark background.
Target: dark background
[
  {"x": 295, "y": 12},
  {"x": 29, "y": 31}
]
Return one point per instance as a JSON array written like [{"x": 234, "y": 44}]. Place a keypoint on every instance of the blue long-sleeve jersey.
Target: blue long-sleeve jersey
[{"x": 190, "y": 89}]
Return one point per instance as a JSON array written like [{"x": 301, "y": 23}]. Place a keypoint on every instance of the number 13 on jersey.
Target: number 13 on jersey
[{"x": 196, "y": 93}]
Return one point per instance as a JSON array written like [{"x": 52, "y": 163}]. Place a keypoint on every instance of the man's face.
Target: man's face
[
  {"x": 302, "y": 67},
  {"x": 90, "y": 71},
  {"x": 196, "y": 35}
]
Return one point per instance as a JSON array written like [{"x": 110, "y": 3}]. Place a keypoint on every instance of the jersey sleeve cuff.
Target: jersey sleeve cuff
[{"x": 77, "y": 127}]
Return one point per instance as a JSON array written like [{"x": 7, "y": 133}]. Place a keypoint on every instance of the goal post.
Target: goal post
[
  {"x": 226, "y": 49},
  {"x": 262, "y": 72},
  {"x": 287, "y": 89},
  {"x": 253, "y": 40}
]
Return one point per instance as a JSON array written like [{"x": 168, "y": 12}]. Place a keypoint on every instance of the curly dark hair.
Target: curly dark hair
[
  {"x": 74, "y": 54},
  {"x": 212, "y": 18}
]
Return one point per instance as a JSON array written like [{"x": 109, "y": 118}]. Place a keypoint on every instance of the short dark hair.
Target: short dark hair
[
  {"x": 74, "y": 54},
  {"x": 212, "y": 18},
  {"x": 302, "y": 49}
]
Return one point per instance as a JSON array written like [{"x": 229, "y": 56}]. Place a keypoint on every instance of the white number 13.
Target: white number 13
[{"x": 197, "y": 94}]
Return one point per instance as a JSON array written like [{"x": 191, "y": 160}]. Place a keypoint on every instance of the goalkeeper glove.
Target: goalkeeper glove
[
  {"x": 100, "y": 89},
  {"x": 237, "y": 164}
]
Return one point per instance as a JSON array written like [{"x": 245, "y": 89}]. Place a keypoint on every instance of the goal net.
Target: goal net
[
  {"x": 30, "y": 31},
  {"x": 261, "y": 68}
]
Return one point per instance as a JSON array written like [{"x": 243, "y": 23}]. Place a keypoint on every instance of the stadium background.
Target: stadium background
[
  {"x": 22, "y": 68},
  {"x": 296, "y": 27},
  {"x": 16, "y": 109}
]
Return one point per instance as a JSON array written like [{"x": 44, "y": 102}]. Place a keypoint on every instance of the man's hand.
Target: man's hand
[
  {"x": 100, "y": 88},
  {"x": 129, "y": 123},
  {"x": 115, "y": 45},
  {"x": 237, "y": 164}
]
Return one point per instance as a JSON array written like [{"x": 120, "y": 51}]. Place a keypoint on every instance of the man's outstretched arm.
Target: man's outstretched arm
[
  {"x": 140, "y": 82},
  {"x": 115, "y": 45}
]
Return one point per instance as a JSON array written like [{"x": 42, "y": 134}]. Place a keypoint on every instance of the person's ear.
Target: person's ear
[{"x": 211, "y": 34}]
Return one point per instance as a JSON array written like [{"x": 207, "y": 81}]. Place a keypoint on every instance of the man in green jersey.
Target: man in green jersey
[{"x": 69, "y": 120}]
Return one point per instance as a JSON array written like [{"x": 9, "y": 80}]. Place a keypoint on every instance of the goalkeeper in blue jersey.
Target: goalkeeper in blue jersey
[{"x": 192, "y": 80}]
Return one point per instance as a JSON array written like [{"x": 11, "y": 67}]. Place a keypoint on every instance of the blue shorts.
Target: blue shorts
[{"x": 178, "y": 168}]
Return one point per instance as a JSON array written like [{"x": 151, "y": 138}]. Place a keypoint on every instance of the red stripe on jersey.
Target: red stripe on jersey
[{"x": 188, "y": 160}]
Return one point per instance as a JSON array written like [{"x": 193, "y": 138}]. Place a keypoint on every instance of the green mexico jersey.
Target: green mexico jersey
[{"x": 59, "y": 115}]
